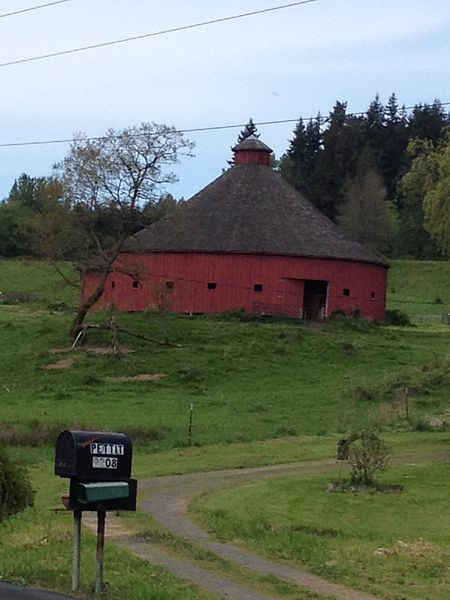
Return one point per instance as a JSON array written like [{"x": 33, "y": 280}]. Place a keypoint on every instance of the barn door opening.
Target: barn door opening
[{"x": 315, "y": 295}]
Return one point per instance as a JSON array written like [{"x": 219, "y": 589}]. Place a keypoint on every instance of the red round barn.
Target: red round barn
[{"x": 246, "y": 241}]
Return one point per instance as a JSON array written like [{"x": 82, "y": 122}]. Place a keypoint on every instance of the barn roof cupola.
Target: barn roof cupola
[{"x": 251, "y": 151}]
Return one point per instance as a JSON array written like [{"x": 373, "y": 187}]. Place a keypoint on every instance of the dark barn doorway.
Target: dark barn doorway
[{"x": 315, "y": 297}]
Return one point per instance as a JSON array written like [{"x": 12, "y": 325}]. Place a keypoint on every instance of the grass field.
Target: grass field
[
  {"x": 262, "y": 393},
  {"x": 395, "y": 545},
  {"x": 247, "y": 381},
  {"x": 421, "y": 289}
]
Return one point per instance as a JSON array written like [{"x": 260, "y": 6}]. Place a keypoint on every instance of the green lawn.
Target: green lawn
[
  {"x": 392, "y": 544},
  {"x": 38, "y": 278},
  {"x": 420, "y": 288}
]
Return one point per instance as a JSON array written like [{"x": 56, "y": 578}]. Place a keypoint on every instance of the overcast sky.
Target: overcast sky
[{"x": 274, "y": 66}]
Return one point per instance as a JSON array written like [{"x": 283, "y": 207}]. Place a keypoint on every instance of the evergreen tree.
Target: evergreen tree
[
  {"x": 428, "y": 122},
  {"x": 374, "y": 126},
  {"x": 249, "y": 130},
  {"x": 298, "y": 165},
  {"x": 392, "y": 162},
  {"x": 342, "y": 144}
]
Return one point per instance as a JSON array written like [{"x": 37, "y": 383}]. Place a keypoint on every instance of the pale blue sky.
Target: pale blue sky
[{"x": 281, "y": 65}]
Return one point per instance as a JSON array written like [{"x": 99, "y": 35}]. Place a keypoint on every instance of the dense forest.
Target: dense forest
[
  {"x": 375, "y": 174},
  {"x": 382, "y": 175}
]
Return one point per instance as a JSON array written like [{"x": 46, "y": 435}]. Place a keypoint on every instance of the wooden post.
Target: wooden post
[
  {"x": 407, "y": 403},
  {"x": 100, "y": 551},
  {"x": 76, "y": 550},
  {"x": 191, "y": 409}
]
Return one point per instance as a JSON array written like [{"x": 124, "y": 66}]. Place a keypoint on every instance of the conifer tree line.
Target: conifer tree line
[{"x": 366, "y": 173}]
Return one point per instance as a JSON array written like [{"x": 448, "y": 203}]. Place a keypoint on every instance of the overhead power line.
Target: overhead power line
[
  {"x": 24, "y": 10},
  {"x": 191, "y": 130},
  {"x": 155, "y": 33}
]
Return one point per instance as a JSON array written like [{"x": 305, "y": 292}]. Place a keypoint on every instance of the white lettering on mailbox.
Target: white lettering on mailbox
[
  {"x": 104, "y": 462},
  {"x": 108, "y": 449}
]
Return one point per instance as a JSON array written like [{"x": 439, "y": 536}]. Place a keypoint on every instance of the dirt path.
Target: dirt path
[{"x": 167, "y": 499}]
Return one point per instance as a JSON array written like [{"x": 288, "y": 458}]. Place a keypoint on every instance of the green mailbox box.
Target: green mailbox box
[
  {"x": 101, "y": 491},
  {"x": 102, "y": 495}
]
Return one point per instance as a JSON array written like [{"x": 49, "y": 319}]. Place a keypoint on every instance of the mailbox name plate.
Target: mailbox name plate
[{"x": 108, "y": 449}]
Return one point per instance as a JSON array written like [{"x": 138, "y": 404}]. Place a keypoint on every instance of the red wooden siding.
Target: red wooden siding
[{"x": 179, "y": 282}]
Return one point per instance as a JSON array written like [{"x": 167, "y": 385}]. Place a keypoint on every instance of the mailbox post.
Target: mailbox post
[{"x": 98, "y": 464}]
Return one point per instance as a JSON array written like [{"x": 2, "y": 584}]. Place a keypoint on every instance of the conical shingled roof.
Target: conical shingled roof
[
  {"x": 252, "y": 143},
  {"x": 249, "y": 209}
]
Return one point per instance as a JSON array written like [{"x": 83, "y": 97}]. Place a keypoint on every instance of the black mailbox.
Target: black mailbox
[{"x": 93, "y": 455}]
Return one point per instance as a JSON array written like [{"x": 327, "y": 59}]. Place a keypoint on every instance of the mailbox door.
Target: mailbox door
[{"x": 104, "y": 495}]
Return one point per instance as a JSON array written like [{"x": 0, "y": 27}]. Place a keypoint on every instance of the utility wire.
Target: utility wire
[
  {"x": 155, "y": 33},
  {"x": 192, "y": 130},
  {"x": 24, "y": 10}
]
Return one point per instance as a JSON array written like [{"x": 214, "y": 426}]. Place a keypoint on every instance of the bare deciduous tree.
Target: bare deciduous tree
[{"x": 104, "y": 181}]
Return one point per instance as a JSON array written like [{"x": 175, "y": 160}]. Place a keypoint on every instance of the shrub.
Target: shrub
[
  {"x": 15, "y": 488},
  {"x": 368, "y": 454},
  {"x": 397, "y": 317}
]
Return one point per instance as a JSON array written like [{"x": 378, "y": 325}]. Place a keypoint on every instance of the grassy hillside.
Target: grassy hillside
[
  {"x": 421, "y": 289},
  {"x": 246, "y": 380},
  {"x": 38, "y": 278}
]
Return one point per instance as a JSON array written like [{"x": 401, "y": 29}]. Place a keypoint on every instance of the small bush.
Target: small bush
[
  {"x": 368, "y": 455},
  {"x": 16, "y": 493},
  {"x": 398, "y": 318}
]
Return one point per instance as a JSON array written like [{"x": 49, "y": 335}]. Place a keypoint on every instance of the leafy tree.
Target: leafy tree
[
  {"x": 104, "y": 182},
  {"x": 29, "y": 197},
  {"x": 154, "y": 211},
  {"x": 437, "y": 198},
  {"x": 414, "y": 238},
  {"x": 366, "y": 216}
]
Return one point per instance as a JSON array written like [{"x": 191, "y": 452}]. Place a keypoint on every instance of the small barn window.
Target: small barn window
[
  {"x": 113, "y": 284},
  {"x": 346, "y": 292},
  {"x": 212, "y": 285},
  {"x": 169, "y": 285},
  {"x": 372, "y": 295},
  {"x": 258, "y": 287},
  {"x": 135, "y": 284}
]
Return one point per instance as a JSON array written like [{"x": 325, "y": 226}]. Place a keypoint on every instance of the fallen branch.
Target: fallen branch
[{"x": 128, "y": 332}]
